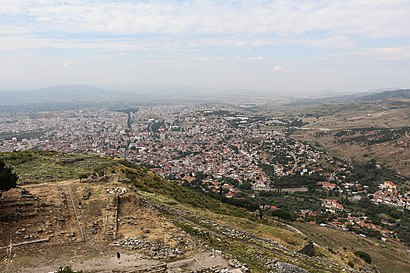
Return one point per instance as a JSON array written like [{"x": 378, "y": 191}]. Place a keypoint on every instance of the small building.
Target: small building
[
  {"x": 328, "y": 186},
  {"x": 332, "y": 205},
  {"x": 389, "y": 185}
]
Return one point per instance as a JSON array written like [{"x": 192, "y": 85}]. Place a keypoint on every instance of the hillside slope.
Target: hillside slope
[
  {"x": 155, "y": 224},
  {"x": 400, "y": 93}
]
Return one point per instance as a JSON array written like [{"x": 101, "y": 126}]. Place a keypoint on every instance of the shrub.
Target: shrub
[
  {"x": 364, "y": 256},
  {"x": 7, "y": 177}
]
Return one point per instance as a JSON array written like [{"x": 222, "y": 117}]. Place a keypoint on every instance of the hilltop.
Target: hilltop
[
  {"x": 398, "y": 94},
  {"x": 88, "y": 208}
]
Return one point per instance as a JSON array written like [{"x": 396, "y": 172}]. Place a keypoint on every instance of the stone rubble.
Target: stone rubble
[
  {"x": 156, "y": 250},
  {"x": 86, "y": 194},
  {"x": 117, "y": 191},
  {"x": 274, "y": 266}
]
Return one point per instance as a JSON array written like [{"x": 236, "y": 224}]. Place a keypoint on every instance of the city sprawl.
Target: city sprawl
[{"x": 237, "y": 155}]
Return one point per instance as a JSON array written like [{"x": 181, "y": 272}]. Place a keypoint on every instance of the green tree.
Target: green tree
[
  {"x": 8, "y": 179},
  {"x": 282, "y": 214},
  {"x": 245, "y": 186}
]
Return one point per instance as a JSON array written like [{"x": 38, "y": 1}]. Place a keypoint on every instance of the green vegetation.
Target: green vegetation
[
  {"x": 371, "y": 174},
  {"x": 148, "y": 182},
  {"x": 366, "y": 136},
  {"x": 296, "y": 181},
  {"x": 8, "y": 179},
  {"x": 40, "y": 166},
  {"x": 403, "y": 227},
  {"x": 364, "y": 256}
]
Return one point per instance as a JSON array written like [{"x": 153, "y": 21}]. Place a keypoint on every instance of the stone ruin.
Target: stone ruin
[{"x": 156, "y": 250}]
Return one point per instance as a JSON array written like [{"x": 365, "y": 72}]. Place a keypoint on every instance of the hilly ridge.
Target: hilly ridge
[
  {"x": 363, "y": 97},
  {"x": 64, "y": 93},
  {"x": 152, "y": 212},
  {"x": 400, "y": 93}
]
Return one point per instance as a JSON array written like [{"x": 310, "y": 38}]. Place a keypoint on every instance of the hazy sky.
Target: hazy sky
[{"x": 274, "y": 46}]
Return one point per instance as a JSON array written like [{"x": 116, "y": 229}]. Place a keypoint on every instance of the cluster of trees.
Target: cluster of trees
[
  {"x": 365, "y": 231},
  {"x": 296, "y": 123},
  {"x": 8, "y": 179},
  {"x": 371, "y": 174},
  {"x": 374, "y": 211},
  {"x": 403, "y": 227},
  {"x": 282, "y": 215},
  {"x": 366, "y": 136},
  {"x": 157, "y": 125},
  {"x": 268, "y": 169},
  {"x": 381, "y": 136},
  {"x": 370, "y": 136},
  {"x": 297, "y": 181}
]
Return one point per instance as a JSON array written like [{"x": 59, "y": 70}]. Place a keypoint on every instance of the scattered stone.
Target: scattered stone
[
  {"x": 86, "y": 194},
  {"x": 117, "y": 191},
  {"x": 25, "y": 193},
  {"x": 235, "y": 263},
  {"x": 94, "y": 228},
  {"x": 155, "y": 250},
  {"x": 280, "y": 267},
  {"x": 244, "y": 268}
]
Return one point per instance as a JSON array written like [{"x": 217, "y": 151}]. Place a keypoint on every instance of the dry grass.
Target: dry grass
[{"x": 389, "y": 257}]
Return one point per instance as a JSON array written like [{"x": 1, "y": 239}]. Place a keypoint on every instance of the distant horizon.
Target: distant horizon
[
  {"x": 170, "y": 86},
  {"x": 272, "y": 47},
  {"x": 169, "y": 89}
]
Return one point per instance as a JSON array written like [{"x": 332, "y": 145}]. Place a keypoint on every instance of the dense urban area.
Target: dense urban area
[{"x": 241, "y": 158}]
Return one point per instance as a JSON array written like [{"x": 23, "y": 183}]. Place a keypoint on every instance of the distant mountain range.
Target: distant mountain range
[
  {"x": 86, "y": 93},
  {"x": 361, "y": 96},
  {"x": 399, "y": 94},
  {"x": 63, "y": 93},
  {"x": 90, "y": 94}
]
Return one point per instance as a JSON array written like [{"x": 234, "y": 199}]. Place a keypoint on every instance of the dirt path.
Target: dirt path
[
  {"x": 105, "y": 263},
  {"x": 128, "y": 261}
]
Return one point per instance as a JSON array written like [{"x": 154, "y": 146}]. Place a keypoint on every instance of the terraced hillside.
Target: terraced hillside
[{"x": 80, "y": 210}]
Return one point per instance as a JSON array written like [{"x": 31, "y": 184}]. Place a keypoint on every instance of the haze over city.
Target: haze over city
[{"x": 276, "y": 47}]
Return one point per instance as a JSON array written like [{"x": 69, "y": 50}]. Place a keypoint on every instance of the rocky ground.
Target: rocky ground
[{"x": 83, "y": 224}]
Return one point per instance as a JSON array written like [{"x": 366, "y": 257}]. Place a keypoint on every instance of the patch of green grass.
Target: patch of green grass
[{"x": 44, "y": 166}]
